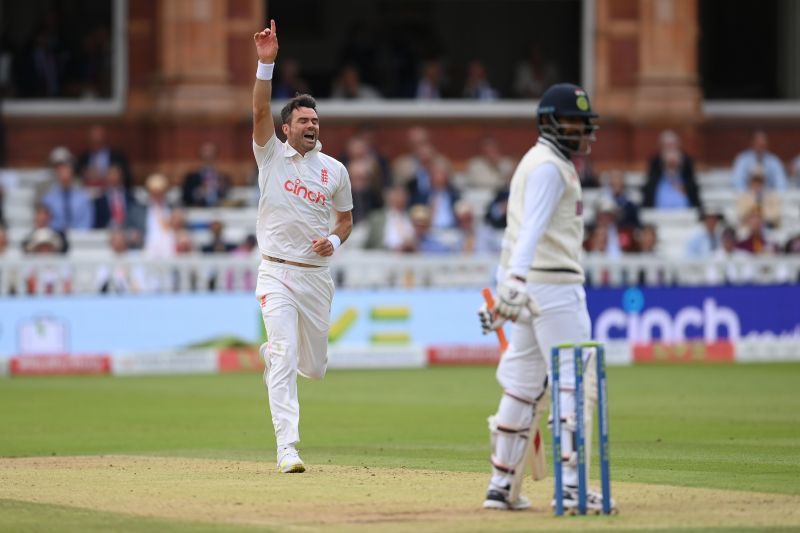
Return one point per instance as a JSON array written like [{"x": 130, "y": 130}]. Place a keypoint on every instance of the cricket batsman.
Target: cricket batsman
[
  {"x": 300, "y": 189},
  {"x": 540, "y": 290}
]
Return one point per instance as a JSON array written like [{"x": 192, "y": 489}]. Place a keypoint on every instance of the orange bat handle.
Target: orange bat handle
[{"x": 501, "y": 335}]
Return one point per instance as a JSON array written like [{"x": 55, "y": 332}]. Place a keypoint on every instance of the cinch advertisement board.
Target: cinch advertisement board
[{"x": 664, "y": 324}]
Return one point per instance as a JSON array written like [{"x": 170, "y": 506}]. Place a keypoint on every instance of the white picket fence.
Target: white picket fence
[{"x": 368, "y": 270}]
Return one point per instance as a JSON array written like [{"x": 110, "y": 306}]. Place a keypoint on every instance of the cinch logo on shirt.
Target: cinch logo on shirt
[{"x": 295, "y": 187}]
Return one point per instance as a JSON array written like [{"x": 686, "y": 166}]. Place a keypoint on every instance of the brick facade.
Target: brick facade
[{"x": 191, "y": 71}]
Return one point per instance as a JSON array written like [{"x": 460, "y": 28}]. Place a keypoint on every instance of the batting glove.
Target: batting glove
[
  {"x": 489, "y": 321},
  {"x": 513, "y": 298}
]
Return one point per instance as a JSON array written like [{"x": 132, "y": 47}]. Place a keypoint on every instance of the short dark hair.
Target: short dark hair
[{"x": 300, "y": 100}]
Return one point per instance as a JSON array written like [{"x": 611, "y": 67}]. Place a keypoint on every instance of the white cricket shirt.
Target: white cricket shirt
[
  {"x": 297, "y": 194},
  {"x": 545, "y": 230}
]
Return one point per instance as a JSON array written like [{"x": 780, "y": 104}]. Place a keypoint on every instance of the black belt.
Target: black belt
[{"x": 557, "y": 270}]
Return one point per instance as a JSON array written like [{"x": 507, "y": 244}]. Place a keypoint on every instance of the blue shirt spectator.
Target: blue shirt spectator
[
  {"x": 671, "y": 161},
  {"x": 670, "y": 193},
  {"x": 758, "y": 154},
  {"x": 708, "y": 239},
  {"x": 427, "y": 241},
  {"x": 69, "y": 205}
]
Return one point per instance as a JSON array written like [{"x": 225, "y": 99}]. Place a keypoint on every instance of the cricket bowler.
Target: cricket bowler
[{"x": 301, "y": 189}]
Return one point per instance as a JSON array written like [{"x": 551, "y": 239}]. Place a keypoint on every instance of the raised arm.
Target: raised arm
[{"x": 267, "y": 48}]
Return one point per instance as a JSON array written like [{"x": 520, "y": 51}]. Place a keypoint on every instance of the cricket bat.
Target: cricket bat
[{"x": 535, "y": 455}]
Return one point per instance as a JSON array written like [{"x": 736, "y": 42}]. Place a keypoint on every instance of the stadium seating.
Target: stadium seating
[{"x": 359, "y": 269}]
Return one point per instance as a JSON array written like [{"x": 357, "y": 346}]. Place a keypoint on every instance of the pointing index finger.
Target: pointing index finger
[{"x": 272, "y": 27}]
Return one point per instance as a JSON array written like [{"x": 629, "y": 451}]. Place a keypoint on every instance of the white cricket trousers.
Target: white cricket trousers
[
  {"x": 525, "y": 365},
  {"x": 564, "y": 318},
  {"x": 296, "y": 307}
]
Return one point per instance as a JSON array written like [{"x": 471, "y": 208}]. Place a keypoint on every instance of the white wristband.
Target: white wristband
[
  {"x": 264, "y": 71},
  {"x": 335, "y": 240}
]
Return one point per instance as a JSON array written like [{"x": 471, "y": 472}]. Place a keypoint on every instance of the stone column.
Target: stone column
[
  {"x": 646, "y": 55},
  {"x": 646, "y": 75},
  {"x": 193, "y": 57},
  {"x": 668, "y": 80}
]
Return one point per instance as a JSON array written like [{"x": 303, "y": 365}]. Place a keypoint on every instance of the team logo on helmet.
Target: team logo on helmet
[{"x": 582, "y": 103}]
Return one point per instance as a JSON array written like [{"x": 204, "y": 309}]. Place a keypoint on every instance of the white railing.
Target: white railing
[{"x": 362, "y": 270}]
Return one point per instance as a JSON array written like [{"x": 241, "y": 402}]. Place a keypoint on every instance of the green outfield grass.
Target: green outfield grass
[
  {"x": 718, "y": 428},
  {"x": 730, "y": 427}
]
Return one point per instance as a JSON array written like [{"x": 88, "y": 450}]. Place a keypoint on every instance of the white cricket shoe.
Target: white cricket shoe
[
  {"x": 594, "y": 501},
  {"x": 497, "y": 499},
  {"x": 289, "y": 461}
]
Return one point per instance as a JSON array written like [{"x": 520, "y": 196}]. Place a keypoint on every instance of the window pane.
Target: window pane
[
  {"x": 55, "y": 49},
  {"x": 388, "y": 44}
]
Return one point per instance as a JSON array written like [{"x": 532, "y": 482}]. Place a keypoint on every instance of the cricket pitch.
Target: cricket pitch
[{"x": 241, "y": 493}]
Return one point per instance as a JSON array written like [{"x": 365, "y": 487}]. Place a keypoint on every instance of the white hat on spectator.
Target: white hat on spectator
[
  {"x": 60, "y": 155},
  {"x": 605, "y": 204},
  {"x": 44, "y": 237},
  {"x": 157, "y": 183}
]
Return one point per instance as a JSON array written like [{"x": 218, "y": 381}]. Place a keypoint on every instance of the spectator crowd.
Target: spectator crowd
[{"x": 420, "y": 201}]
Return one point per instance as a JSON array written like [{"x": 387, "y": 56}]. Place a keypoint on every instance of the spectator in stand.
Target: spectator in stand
[
  {"x": 627, "y": 210},
  {"x": 94, "y": 164},
  {"x": 116, "y": 206},
  {"x": 758, "y": 153},
  {"x": 586, "y": 174},
  {"x": 46, "y": 279},
  {"x": 391, "y": 228},
  {"x": 474, "y": 238},
  {"x": 756, "y": 241},
  {"x": 367, "y": 193},
  {"x": 708, "y": 239},
  {"x": 348, "y": 86},
  {"x": 533, "y": 75},
  {"x": 247, "y": 247},
  {"x": 732, "y": 264},
  {"x": 671, "y": 175},
  {"x": 792, "y": 246},
  {"x": 647, "y": 239},
  {"x": 674, "y": 187},
  {"x": 119, "y": 276},
  {"x": 477, "y": 86},
  {"x": 647, "y": 244},
  {"x": 5, "y": 252},
  {"x": 358, "y": 148},
  {"x": 427, "y": 241},
  {"x": 439, "y": 195},
  {"x": 159, "y": 237},
  {"x": 767, "y": 202},
  {"x": 424, "y": 157},
  {"x": 366, "y": 132},
  {"x": 289, "y": 82},
  {"x": 183, "y": 241},
  {"x": 40, "y": 74},
  {"x": 416, "y": 163},
  {"x": 616, "y": 238},
  {"x": 206, "y": 186},
  {"x": 43, "y": 219},
  {"x": 491, "y": 169},
  {"x": 246, "y": 277},
  {"x": 431, "y": 85},
  {"x": 68, "y": 202},
  {"x": 596, "y": 241},
  {"x": 218, "y": 245}
]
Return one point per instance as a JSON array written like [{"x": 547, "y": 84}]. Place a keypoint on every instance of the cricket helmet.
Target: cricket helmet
[{"x": 566, "y": 100}]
